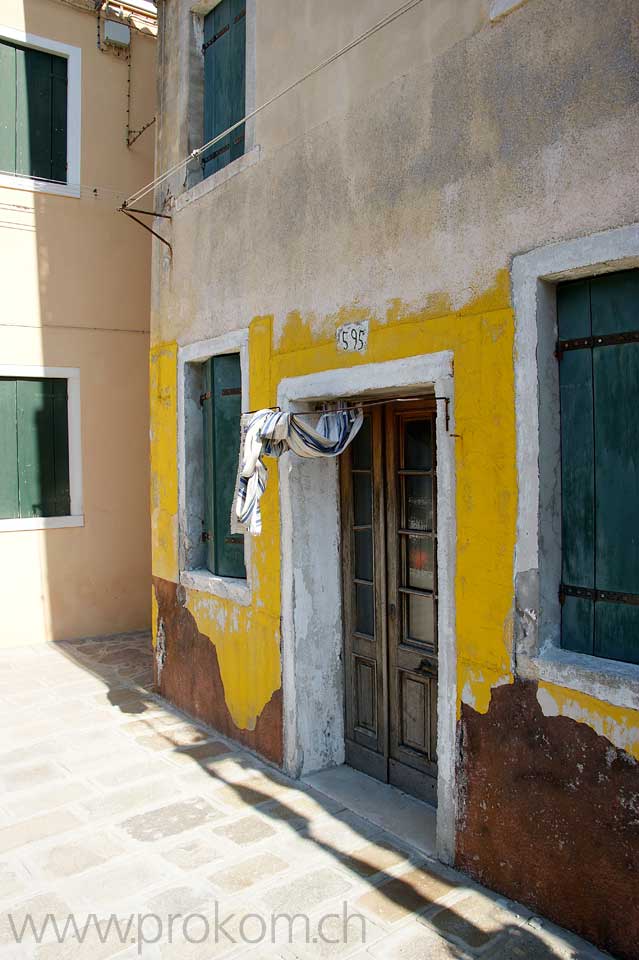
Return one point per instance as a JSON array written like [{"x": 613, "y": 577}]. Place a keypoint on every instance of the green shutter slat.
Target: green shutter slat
[
  {"x": 616, "y": 371},
  {"x": 577, "y": 471},
  {"x": 35, "y": 449},
  {"x": 38, "y": 443},
  {"x": 224, "y": 81},
  {"x": 577, "y": 624},
  {"x": 221, "y": 84},
  {"x": 573, "y": 310},
  {"x": 23, "y": 131},
  {"x": 615, "y": 302},
  {"x": 61, "y": 448},
  {"x": 617, "y": 631},
  {"x": 9, "y": 501},
  {"x": 227, "y": 406},
  {"x": 7, "y": 107},
  {"x": 237, "y": 75},
  {"x": 209, "y": 103},
  {"x": 59, "y": 119},
  {"x": 209, "y": 471}
]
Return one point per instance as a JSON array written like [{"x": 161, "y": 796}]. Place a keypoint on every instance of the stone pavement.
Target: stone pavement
[{"x": 115, "y": 807}]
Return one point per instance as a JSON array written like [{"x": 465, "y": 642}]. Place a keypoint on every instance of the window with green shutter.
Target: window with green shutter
[
  {"x": 222, "y": 407},
  {"x": 34, "y": 439},
  {"x": 33, "y": 113},
  {"x": 598, "y": 351},
  {"x": 224, "y": 50}
]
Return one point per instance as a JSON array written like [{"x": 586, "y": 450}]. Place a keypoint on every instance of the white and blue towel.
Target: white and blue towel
[{"x": 269, "y": 433}]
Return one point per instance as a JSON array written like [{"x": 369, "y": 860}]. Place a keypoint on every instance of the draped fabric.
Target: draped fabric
[{"x": 270, "y": 433}]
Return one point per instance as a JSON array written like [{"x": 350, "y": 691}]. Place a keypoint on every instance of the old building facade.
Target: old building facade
[
  {"x": 440, "y": 223},
  {"x": 77, "y": 83}
]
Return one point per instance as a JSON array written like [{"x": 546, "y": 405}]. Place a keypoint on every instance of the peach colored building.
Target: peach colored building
[{"x": 76, "y": 86}]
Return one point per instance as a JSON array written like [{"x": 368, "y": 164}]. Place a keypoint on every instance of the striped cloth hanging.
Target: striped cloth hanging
[{"x": 269, "y": 433}]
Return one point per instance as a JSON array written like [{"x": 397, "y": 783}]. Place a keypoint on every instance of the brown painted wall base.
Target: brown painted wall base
[
  {"x": 549, "y": 815},
  {"x": 190, "y": 678}
]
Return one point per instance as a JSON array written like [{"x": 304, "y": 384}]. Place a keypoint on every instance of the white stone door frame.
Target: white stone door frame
[{"x": 312, "y": 661}]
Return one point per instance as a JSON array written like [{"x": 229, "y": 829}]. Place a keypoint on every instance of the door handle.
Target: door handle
[{"x": 425, "y": 667}]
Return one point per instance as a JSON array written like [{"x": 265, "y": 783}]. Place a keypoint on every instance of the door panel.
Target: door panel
[
  {"x": 364, "y": 624},
  {"x": 412, "y": 624},
  {"x": 390, "y": 603}
]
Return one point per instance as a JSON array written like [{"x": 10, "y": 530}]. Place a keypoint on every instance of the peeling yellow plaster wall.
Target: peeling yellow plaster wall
[
  {"x": 246, "y": 638},
  {"x": 481, "y": 338},
  {"x": 164, "y": 474},
  {"x": 247, "y": 645},
  {"x": 618, "y": 724}
]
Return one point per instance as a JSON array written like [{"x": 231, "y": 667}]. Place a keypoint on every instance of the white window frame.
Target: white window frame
[
  {"x": 76, "y": 517},
  {"x": 229, "y": 588},
  {"x": 73, "y": 55},
  {"x": 537, "y": 651}
]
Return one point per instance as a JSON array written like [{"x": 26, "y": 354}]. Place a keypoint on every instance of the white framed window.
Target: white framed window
[
  {"x": 201, "y": 566},
  {"x": 21, "y": 67},
  {"x": 40, "y": 435}
]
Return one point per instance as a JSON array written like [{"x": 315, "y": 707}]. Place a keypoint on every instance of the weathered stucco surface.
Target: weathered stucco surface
[
  {"x": 397, "y": 187},
  {"x": 75, "y": 278},
  {"x": 550, "y": 793}
]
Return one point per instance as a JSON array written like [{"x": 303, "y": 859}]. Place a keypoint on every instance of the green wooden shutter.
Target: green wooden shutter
[
  {"x": 615, "y": 310},
  {"x": 225, "y": 555},
  {"x": 224, "y": 81},
  {"x": 577, "y": 475},
  {"x": 209, "y": 469},
  {"x": 7, "y": 107},
  {"x": 43, "y": 452},
  {"x": 59, "y": 83},
  {"x": 33, "y": 113},
  {"x": 9, "y": 499},
  {"x": 598, "y": 323}
]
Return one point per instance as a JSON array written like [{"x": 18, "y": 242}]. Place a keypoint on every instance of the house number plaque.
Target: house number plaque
[{"x": 352, "y": 337}]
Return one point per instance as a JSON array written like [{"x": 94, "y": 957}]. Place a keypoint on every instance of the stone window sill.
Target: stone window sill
[
  {"x": 227, "y": 588},
  {"x": 40, "y": 523},
  {"x": 609, "y": 680},
  {"x": 204, "y": 187},
  {"x": 17, "y": 182}
]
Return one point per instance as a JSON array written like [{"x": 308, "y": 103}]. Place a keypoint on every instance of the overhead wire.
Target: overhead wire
[{"x": 197, "y": 153}]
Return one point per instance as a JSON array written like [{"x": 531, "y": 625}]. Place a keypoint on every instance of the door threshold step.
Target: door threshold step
[{"x": 408, "y": 819}]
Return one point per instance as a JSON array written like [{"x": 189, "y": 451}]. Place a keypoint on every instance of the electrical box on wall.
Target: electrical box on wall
[{"x": 116, "y": 33}]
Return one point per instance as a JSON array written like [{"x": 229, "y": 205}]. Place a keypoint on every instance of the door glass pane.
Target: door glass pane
[
  {"x": 421, "y": 620},
  {"x": 364, "y": 554},
  {"x": 418, "y": 503},
  {"x": 418, "y": 449},
  {"x": 418, "y": 562},
  {"x": 362, "y": 499},
  {"x": 361, "y": 446},
  {"x": 364, "y": 613}
]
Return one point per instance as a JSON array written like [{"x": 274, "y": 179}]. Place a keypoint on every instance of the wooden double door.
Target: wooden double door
[{"x": 388, "y": 487}]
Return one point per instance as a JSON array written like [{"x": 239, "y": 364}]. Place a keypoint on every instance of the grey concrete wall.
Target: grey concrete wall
[{"x": 416, "y": 168}]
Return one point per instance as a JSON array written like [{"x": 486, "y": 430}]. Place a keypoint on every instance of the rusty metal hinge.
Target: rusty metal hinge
[
  {"x": 204, "y": 397},
  {"x": 588, "y": 343},
  {"x": 587, "y": 593},
  {"x": 220, "y": 33},
  {"x": 206, "y": 536}
]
